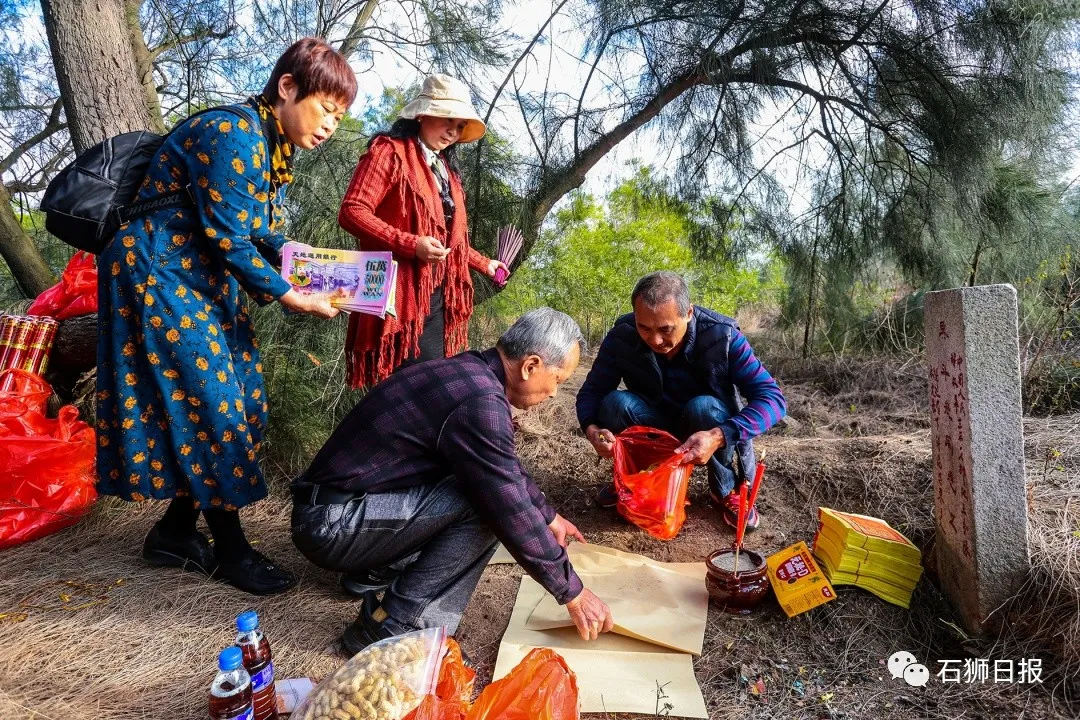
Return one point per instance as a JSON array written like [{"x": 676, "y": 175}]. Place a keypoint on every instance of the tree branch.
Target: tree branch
[
  {"x": 51, "y": 128},
  {"x": 573, "y": 174},
  {"x": 491, "y": 106},
  {"x": 180, "y": 40},
  {"x": 352, "y": 39}
]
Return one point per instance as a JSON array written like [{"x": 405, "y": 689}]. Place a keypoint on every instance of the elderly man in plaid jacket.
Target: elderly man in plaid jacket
[{"x": 421, "y": 480}]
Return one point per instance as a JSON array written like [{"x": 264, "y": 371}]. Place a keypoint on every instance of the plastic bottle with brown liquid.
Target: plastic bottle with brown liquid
[
  {"x": 230, "y": 694},
  {"x": 259, "y": 664}
]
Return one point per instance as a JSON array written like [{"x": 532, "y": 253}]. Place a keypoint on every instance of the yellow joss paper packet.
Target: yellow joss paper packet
[{"x": 797, "y": 580}]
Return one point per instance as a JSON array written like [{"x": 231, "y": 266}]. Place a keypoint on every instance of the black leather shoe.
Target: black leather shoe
[
  {"x": 190, "y": 552},
  {"x": 366, "y": 630},
  {"x": 256, "y": 574},
  {"x": 357, "y": 584}
]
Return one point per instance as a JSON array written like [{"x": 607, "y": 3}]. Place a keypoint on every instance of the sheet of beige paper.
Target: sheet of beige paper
[
  {"x": 580, "y": 552},
  {"x": 502, "y": 556},
  {"x": 647, "y": 601},
  {"x": 615, "y": 673}
]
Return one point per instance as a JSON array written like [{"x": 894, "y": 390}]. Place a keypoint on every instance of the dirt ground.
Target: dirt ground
[{"x": 88, "y": 631}]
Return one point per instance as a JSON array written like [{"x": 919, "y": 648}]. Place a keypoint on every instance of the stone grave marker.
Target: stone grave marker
[{"x": 976, "y": 431}]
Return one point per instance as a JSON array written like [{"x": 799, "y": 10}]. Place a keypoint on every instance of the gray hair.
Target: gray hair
[
  {"x": 657, "y": 288},
  {"x": 544, "y": 332}
]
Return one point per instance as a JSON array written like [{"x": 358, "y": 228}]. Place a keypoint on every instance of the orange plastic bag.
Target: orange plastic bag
[
  {"x": 541, "y": 687},
  {"x": 651, "y": 480},
  {"x": 75, "y": 294},
  {"x": 453, "y": 692},
  {"x": 47, "y": 481}
]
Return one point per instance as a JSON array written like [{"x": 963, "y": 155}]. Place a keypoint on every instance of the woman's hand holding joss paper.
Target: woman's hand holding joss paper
[
  {"x": 562, "y": 529},
  {"x": 431, "y": 250},
  {"x": 319, "y": 305},
  {"x": 590, "y": 614}
]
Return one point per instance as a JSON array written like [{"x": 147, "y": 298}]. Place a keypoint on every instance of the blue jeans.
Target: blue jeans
[{"x": 622, "y": 409}]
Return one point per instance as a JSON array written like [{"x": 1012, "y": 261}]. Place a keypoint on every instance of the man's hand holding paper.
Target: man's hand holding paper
[{"x": 590, "y": 614}]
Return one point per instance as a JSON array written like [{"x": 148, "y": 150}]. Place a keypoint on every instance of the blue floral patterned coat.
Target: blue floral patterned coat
[{"x": 181, "y": 405}]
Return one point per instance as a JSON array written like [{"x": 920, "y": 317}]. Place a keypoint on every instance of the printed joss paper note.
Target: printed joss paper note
[{"x": 368, "y": 279}]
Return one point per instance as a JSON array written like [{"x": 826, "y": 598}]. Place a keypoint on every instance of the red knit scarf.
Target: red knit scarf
[{"x": 374, "y": 348}]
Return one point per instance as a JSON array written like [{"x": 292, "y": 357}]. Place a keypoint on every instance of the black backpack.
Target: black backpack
[{"x": 90, "y": 198}]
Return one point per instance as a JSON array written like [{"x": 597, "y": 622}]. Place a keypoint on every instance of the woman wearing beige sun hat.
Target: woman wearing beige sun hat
[{"x": 406, "y": 196}]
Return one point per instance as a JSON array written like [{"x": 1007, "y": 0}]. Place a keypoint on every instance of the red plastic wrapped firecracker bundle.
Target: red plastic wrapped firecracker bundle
[
  {"x": 651, "y": 480},
  {"x": 25, "y": 344},
  {"x": 48, "y": 480}
]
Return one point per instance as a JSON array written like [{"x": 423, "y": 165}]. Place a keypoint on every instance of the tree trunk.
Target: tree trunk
[
  {"x": 808, "y": 331},
  {"x": 95, "y": 69},
  {"x": 73, "y": 354},
  {"x": 975, "y": 265},
  {"x": 144, "y": 63},
  {"x": 27, "y": 266},
  {"x": 356, "y": 31}
]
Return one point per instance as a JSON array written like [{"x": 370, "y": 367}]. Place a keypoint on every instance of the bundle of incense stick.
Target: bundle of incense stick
[
  {"x": 746, "y": 504},
  {"x": 510, "y": 240},
  {"x": 25, "y": 343}
]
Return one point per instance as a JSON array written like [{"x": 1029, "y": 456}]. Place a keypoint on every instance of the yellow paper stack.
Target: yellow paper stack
[{"x": 867, "y": 552}]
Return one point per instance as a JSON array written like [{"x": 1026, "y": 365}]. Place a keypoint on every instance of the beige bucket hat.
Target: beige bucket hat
[{"x": 444, "y": 96}]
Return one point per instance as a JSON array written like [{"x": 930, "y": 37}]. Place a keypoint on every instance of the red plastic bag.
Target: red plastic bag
[
  {"x": 541, "y": 687},
  {"x": 75, "y": 294},
  {"x": 48, "y": 478},
  {"x": 453, "y": 692},
  {"x": 651, "y": 480}
]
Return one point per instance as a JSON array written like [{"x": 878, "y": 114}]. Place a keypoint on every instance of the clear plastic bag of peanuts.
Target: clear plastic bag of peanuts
[{"x": 384, "y": 681}]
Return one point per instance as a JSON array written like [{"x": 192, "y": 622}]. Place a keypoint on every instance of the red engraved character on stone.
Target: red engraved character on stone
[
  {"x": 952, "y": 521},
  {"x": 967, "y": 549},
  {"x": 942, "y": 331}
]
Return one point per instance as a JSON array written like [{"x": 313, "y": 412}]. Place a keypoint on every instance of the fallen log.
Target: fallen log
[{"x": 74, "y": 353}]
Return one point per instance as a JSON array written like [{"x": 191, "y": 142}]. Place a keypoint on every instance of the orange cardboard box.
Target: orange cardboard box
[{"x": 797, "y": 580}]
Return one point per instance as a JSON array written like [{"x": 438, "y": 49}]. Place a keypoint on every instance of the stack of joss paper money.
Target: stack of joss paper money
[{"x": 868, "y": 553}]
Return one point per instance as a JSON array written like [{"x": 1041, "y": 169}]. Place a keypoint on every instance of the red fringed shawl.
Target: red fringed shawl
[{"x": 393, "y": 199}]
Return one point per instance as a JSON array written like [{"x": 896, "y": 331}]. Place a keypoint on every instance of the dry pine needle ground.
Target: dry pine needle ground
[{"x": 88, "y": 631}]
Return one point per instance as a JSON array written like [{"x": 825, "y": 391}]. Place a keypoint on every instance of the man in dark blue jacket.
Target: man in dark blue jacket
[{"x": 684, "y": 368}]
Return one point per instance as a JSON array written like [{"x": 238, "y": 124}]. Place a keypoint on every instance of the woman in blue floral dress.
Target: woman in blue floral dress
[{"x": 181, "y": 405}]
